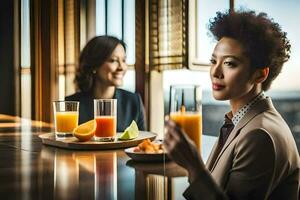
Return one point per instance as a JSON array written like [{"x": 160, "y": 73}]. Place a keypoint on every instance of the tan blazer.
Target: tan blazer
[{"x": 258, "y": 161}]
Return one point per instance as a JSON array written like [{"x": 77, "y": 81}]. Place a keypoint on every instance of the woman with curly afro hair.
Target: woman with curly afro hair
[
  {"x": 102, "y": 66},
  {"x": 255, "y": 156}
]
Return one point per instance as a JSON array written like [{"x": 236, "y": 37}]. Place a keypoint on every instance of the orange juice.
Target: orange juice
[
  {"x": 106, "y": 126},
  {"x": 191, "y": 124},
  {"x": 66, "y": 121}
]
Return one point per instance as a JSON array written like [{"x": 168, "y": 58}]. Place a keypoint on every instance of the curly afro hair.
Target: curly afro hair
[{"x": 264, "y": 42}]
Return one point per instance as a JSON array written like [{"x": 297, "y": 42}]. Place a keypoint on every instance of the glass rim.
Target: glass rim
[
  {"x": 188, "y": 112},
  {"x": 107, "y": 100},
  {"x": 61, "y": 101},
  {"x": 184, "y": 85}
]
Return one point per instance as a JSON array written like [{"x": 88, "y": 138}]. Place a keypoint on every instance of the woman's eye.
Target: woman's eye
[
  {"x": 230, "y": 64},
  {"x": 213, "y": 61},
  {"x": 113, "y": 60}
]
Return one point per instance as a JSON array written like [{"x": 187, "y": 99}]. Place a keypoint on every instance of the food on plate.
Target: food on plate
[
  {"x": 130, "y": 132},
  {"x": 149, "y": 147},
  {"x": 85, "y": 131}
]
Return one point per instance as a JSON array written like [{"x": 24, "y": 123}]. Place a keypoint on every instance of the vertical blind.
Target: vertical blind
[
  {"x": 68, "y": 45},
  {"x": 168, "y": 34}
]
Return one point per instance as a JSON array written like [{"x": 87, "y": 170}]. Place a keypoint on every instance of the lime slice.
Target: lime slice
[{"x": 130, "y": 132}]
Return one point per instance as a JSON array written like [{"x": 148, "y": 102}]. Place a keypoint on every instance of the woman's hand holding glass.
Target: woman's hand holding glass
[{"x": 182, "y": 150}]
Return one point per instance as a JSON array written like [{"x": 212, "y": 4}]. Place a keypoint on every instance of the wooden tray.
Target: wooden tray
[{"x": 73, "y": 143}]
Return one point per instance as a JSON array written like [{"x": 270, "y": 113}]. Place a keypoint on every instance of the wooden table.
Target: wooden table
[{"x": 31, "y": 170}]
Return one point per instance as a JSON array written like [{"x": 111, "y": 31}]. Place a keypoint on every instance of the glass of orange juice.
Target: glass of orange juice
[
  {"x": 65, "y": 117},
  {"x": 186, "y": 110},
  {"x": 105, "y": 114}
]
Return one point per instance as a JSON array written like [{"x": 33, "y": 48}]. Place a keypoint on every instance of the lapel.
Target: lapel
[
  {"x": 256, "y": 109},
  {"x": 212, "y": 155}
]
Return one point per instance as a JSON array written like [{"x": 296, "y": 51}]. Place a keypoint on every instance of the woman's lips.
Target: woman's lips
[
  {"x": 216, "y": 86},
  {"x": 118, "y": 76}
]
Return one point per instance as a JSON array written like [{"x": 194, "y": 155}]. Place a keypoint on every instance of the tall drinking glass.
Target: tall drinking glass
[
  {"x": 186, "y": 110},
  {"x": 65, "y": 117},
  {"x": 105, "y": 114}
]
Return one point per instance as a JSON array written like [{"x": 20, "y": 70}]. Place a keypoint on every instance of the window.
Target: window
[
  {"x": 25, "y": 60},
  {"x": 205, "y": 44},
  {"x": 117, "y": 18}
]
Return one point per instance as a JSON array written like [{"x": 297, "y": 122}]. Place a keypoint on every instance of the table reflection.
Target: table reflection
[
  {"x": 86, "y": 162},
  {"x": 66, "y": 176},
  {"x": 106, "y": 176},
  {"x": 110, "y": 175},
  {"x": 87, "y": 175},
  {"x": 31, "y": 170},
  {"x": 156, "y": 180}
]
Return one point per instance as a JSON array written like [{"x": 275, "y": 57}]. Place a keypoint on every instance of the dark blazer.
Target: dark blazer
[
  {"x": 129, "y": 107},
  {"x": 258, "y": 161}
]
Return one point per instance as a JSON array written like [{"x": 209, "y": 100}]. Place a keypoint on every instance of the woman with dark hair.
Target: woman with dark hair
[
  {"x": 255, "y": 156},
  {"x": 102, "y": 66}
]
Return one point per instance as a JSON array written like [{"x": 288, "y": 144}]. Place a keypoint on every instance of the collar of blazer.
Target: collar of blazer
[{"x": 259, "y": 107}]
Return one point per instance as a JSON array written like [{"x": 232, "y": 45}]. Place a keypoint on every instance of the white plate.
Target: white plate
[{"x": 146, "y": 157}]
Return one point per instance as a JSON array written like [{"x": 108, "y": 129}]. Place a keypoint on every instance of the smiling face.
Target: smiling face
[
  {"x": 112, "y": 71},
  {"x": 230, "y": 72}
]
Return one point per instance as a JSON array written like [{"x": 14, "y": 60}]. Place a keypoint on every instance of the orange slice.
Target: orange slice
[{"x": 85, "y": 131}]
